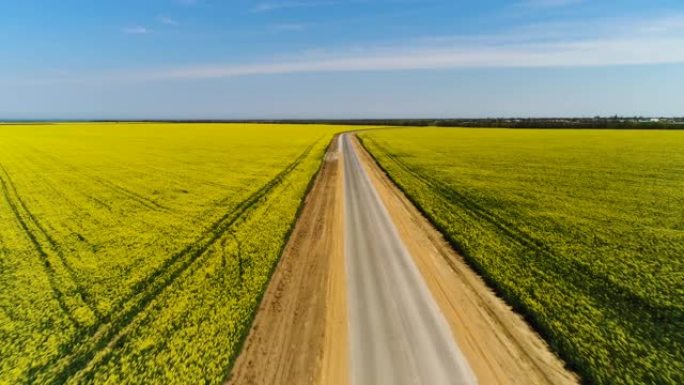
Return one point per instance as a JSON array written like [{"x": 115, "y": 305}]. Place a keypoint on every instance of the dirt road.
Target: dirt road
[
  {"x": 299, "y": 334},
  {"x": 319, "y": 322},
  {"x": 398, "y": 335}
]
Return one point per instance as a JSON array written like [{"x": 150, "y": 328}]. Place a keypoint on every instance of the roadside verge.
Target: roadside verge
[{"x": 299, "y": 333}]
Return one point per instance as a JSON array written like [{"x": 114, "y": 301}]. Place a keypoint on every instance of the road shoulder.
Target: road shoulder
[{"x": 299, "y": 335}]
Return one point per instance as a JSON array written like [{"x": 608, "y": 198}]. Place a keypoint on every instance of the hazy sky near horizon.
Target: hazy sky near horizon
[{"x": 79, "y": 59}]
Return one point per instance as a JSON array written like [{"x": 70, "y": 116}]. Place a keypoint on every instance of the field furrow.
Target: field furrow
[
  {"x": 73, "y": 299},
  {"x": 122, "y": 190}
]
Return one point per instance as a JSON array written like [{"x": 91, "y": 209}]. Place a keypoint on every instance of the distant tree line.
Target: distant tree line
[{"x": 614, "y": 122}]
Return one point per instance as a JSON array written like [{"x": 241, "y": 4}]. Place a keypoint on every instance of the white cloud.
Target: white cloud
[
  {"x": 166, "y": 20},
  {"x": 577, "y": 54},
  {"x": 273, "y": 6},
  {"x": 289, "y": 26},
  {"x": 135, "y": 30},
  {"x": 609, "y": 43},
  {"x": 548, "y": 3}
]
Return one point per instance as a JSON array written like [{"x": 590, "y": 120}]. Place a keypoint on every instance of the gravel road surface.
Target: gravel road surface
[{"x": 397, "y": 333}]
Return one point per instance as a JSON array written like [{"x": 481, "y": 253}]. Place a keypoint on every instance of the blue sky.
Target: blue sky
[{"x": 340, "y": 58}]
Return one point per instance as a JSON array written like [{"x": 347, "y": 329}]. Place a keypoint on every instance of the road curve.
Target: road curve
[{"x": 397, "y": 334}]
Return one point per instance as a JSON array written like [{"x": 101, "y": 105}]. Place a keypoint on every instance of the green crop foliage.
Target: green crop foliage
[
  {"x": 582, "y": 231},
  {"x": 137, "y": 253}
]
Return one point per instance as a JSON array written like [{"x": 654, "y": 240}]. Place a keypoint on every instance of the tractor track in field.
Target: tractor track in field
[
  {"x": 94, "y": 344},
  {"x": 235, "y": 214},
  {"x": 27, "y": 221},
  {"x": 47, "y": 267},
  {"x": 663, "y": 317},
  {"x": 128, "y": 193},
  {"x": 139, "y": 198}
]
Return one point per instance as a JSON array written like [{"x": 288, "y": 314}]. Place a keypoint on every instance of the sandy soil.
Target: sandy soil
[
  {"x": 335, "y": 370},
  {"x": 499, "y": 346},
  {"x": 299, "y": 335}
]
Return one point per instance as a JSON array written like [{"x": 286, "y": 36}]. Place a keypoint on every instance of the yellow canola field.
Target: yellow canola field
[
  {"x": 137, "y": 253},
  {"x": 582, "y": 231}
]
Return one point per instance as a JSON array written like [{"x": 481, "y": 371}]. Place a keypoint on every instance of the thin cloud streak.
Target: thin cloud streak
[
  {"x": 657, "y": 41},
  {"x": 289, "y": 27},
  {"x": 274, "y": 6},
  {"x": 580, "y": 54},
  {"x": 135, "y": 30},
  {"x": 549, "y": 3},
  {"x": 163, "y": 19}
]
